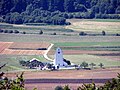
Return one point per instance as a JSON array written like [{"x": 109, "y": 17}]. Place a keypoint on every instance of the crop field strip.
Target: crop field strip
[
  {"x": 94, "y": 48},
  {"x": 4, "y": 45},
  {"x": 32, "y": 46},
  {"x": 110, "y": 26},
  {"x": 77, "y": 52},
  {"x": 11, "y": 48}
]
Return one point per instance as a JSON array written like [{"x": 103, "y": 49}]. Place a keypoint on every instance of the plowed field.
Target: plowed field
[
  {"x": 77, "y": 52},
  {"x": 13, "y": 48}
]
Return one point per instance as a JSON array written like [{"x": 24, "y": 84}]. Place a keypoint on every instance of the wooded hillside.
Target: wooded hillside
[{"x": 56, "y": 11}]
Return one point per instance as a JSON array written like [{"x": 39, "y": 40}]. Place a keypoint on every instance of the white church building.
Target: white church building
[{"x": 59, "y": 60}]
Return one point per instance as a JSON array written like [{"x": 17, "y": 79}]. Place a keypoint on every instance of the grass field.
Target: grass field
[
  {"x": 13, "y": 61},
  {"x": 100, "y": 46},
  {"x": 85, "y": 44},
  {"x": 68, "y": 41},
  {"x": 78, "y": 59},
  {"x": 95, "y": 25}
]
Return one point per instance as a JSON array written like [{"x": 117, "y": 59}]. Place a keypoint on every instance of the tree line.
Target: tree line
[
  {"x": 82, "y": 33},
  {"x": 96, "y": 6},
  {"x": 56, "y": 11}
]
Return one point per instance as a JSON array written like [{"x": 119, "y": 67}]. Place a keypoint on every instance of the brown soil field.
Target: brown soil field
[
  {"x": 33, "y": 46},
  {"x": 13, "y": 48},
  {"x": 112, "y": 55},
  {"x": 23, "y": 52},
  {"x": 70, "y": 74},
  {"x": 77, "y": 52},
  {"x": 4, "y": 45},
  {"x": 65, "y": 74}
]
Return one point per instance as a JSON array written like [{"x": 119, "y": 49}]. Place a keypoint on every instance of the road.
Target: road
[
  {"x": 33, "y": 81},
  {"x": 45, "y": 55}
]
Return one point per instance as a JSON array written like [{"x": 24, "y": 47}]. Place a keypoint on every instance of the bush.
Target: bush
[
  {"x": 1, "y": 30},
  {"x": 84, "y": 64},
  {"x": 5, "y": 31},
  {"x": 103, "y": 33},
  {"x": 16, "y": 31},
  {"x": 54, "y": 33},
  {"x": 10, "y": 31},
  {"x": 59, "y": 88},
  {"x": 67, "y": 61},
  {"x": 41, "y": 32},
  {"x": 117, "y": 34},
  {"x": 66, "y": 87},
  {"x": 68, "y": 23},
  {"x": 23, "y": 32},
  {"x": 82, "y": 33}
]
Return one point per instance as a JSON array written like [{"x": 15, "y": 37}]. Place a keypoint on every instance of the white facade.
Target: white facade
[{"x": 58, "y": 61}]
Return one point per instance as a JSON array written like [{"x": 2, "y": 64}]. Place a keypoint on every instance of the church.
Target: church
[{"x": 59, "y": 60}]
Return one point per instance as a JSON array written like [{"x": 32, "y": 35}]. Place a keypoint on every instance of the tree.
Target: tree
[
  {"x": 92, "y": 65},
  {"x": 117, "y": 34},
  {"x": 41, "y": 32},
  {"x": 114, "y": 84},
  {"x": 84, "y": 64},
  {"x": 69, "y": 5},
  {"x": 24, "y": 32},
  {"x": 101, "y": 65},
  {"x": 1, "y": 30},
  {"x": 57, "y": 20},
  {"x": 103, "y": 33},
  {"x": 54, "y": 33},
  {"x": 91, "y": 86},
  {"x": 17, "y": 84},
  {"x": 66, "y": 87},
  {"x": 59, "y": 5},
  {"x": 29, "y": 9},
  {"x": 80, "y": 8},
  {"x": 117, "y": 10},
  {"x": 16, "y": 31},
  {"x": 5, "y": 6},
  {"x": 58, "y": 88},
  {"x": 82, "y": 34},
  {"x": 19, "y": 6},
  {"x": 10, "y": 31},
  {"x": 22, "y": 62},
  {"x": 5, "y": 31}
]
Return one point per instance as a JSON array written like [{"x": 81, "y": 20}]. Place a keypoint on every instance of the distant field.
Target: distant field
[
  {"x": 56, "y": 38},
  {"x": 99, "y": 46},
  {"x": 97, "y": 49},
  {"x": 95, "y": 25},
  {"x": 13, "y": 61},
  {"x": 33, "y": 29},
  {"x": 76, "y": 55},
  {"x": 111, "y": 26},
  {"x": 15, "y": 48},
  {"x": 78, "y": 59},
  {"x": 85, "y": 44}
]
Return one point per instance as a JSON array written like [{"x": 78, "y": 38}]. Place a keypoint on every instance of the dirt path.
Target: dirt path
[{"x": 46, "y": 52}]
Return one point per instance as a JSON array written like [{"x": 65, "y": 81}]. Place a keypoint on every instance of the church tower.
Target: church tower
[{"x": 58, "y": 61}]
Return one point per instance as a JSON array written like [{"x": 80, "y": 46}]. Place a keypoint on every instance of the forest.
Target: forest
[{"x": 57, "y": 11}]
